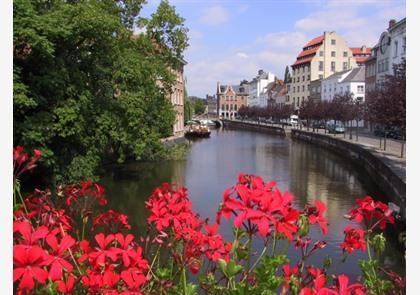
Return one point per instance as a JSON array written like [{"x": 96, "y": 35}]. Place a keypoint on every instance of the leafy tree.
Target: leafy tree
[
  {"x": 199, "y": 106},
  {"x": 188, "y": 109},
  {"x": 85, "y": 89}
]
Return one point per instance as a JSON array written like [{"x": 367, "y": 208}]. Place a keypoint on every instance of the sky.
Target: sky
[{"x": 230, "y": 40}]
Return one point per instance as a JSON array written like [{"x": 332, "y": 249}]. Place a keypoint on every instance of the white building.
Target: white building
[
  {"x": 390, "y": 49},
  {"x": 258, "y": 89},
  {"x": 351, "y": 81}
]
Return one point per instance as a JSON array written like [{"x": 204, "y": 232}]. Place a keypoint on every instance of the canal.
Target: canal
[{"x": 213, "y": 164}]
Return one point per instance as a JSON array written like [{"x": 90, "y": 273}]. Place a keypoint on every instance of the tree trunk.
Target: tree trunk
[
  {"x": 357, "y": 130},
  {"x": 351, "y": 126},
  {"x": 402, "y": 147},
  {"x": 385, "y": 142}
]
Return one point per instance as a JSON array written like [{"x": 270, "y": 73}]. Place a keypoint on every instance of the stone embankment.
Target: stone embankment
[{"x": 387, "y": 171}]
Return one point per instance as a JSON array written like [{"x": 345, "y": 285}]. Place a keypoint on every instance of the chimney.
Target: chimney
[
  {"x": 218, "y": 87},
  {"x": 364, "y": 48},
  {"x": 392, "y": 23},
  {"x": 260, "y": 72}
]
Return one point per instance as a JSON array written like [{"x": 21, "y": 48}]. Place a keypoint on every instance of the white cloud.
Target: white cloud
[
  {"x": 242, "y": 55},
  {"x": 359, "y": 22},
  {"x": 195, "y": 41},
  {"x": 283, "y": 39},
  {"x": 215, "y": 15}
]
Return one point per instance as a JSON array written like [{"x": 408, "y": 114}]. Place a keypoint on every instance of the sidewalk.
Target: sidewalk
[{"x": 392, "y": 155}]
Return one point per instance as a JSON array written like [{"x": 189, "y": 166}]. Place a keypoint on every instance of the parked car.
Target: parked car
[
  {"x": 381, "y": 131},
  {"x": 335, "y": 127},
  {"x": 396, "y": 133},
  {"x": 293, "y": 121},
  {"x": 319, "y": 124}
]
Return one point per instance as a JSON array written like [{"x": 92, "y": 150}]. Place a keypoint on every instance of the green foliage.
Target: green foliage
[
  {"x": 85, "y": 89},
  {"x": 199, "y": 106},
  {"x": 267, "y": 276}
]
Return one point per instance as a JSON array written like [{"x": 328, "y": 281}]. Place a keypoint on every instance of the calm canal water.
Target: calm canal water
[{"x": 213, "y": 164}]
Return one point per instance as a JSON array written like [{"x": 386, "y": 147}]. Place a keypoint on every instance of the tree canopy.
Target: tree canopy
[{"x": 86, "y": 88}]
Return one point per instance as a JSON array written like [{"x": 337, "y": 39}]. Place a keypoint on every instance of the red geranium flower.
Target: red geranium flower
[
  {"x": 29, "y": 235},
  {"x": 316, "y": 215},
  {"x": 66, "y": 287},
  {"x": 57, "y": 259},
  {"x": 343, "y": 287},
  {"x": 28, "y": 265},
  {"x": 354, "y": 239}
]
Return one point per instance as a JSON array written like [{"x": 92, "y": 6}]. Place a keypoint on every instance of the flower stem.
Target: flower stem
[
  {"x": 184, "y": 280},
  {"x": 248, "y": 264},
  {"x": 273, "y": 250}
]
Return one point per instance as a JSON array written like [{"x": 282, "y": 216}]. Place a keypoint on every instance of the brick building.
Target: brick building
[{"x": 230, "y": 98}]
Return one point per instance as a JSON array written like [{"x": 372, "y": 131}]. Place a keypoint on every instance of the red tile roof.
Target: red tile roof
[
  {"x": 358, "y": 50},
  {"x": 361, "y": 59},
  {"x": 303, "y": 60},
  {"x": 308, "y": 51},
  {"x": 315, "y": 41}
]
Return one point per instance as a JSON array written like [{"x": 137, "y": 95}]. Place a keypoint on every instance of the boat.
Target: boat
[
  {"x": 209, "y": 123},
  {"x": 194, "y": 128}
]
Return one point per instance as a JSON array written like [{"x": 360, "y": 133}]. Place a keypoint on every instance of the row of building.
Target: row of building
[{"x": 325, "y": 67}]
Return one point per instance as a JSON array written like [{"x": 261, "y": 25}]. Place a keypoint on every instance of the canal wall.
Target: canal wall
[
  {"x": 380, "y": 168},
  {"x": 173, "y": 140},
  {"x": 244, "y": 125}
]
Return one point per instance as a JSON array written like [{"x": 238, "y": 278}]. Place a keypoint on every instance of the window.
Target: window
[
  {"x": 344, "y": 53},
  {"x": 298, "y": 101},
  {"x": 321, "y": 65},
  {"x": 303, "y": 78},
  {"x": 321, "y": 53},
  {"x": 298, "y": 70},
  {"x": 332, "y": 53},
  {"x": 293, "y": 80},
  {"x": 288, "y": 87},
  {"x": 235, "y": 107},
  {"x": 309, "y": 77},
  {"x": 341, "y": 89},
  {"x": 344, "y": 65},
  {"x": 298, "y": 88},
  {"x": 319, "y": 89},
  {"x": 298, "y": 79},
  {"x": 313, "y": 90},
  {"x": 320, "y": 76},
  {"x": 403, "y": 45},
  {"x": 303, "y": 88},
  {"x": 360, "y": 88},
  {"x": 396, "y": 49},
  {"x": 348, "y": 88},
  {"x": 294, "y": 89},
  {"x": 333, "y": 66},
  {"x": 332, "y": 41}
]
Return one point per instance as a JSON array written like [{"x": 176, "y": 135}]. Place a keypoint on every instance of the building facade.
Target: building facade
[
  {"x": 230, "y": 98},
  {"x": 349, "y": 81},
  {"x": 370, "y": 71},
  {"x": 320, "y": 58},
  {"x": 315, "y": 90},
  {"x": 176, "y": 97},
  {"x": 276, "y": 93},
  {"x": 211, "y": 104},
  {"x": 258, "y": 89},
  {"x": 391, "y": 49}
]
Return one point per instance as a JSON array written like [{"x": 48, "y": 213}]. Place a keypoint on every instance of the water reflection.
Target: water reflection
[{"x": 213, "y": 164}]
